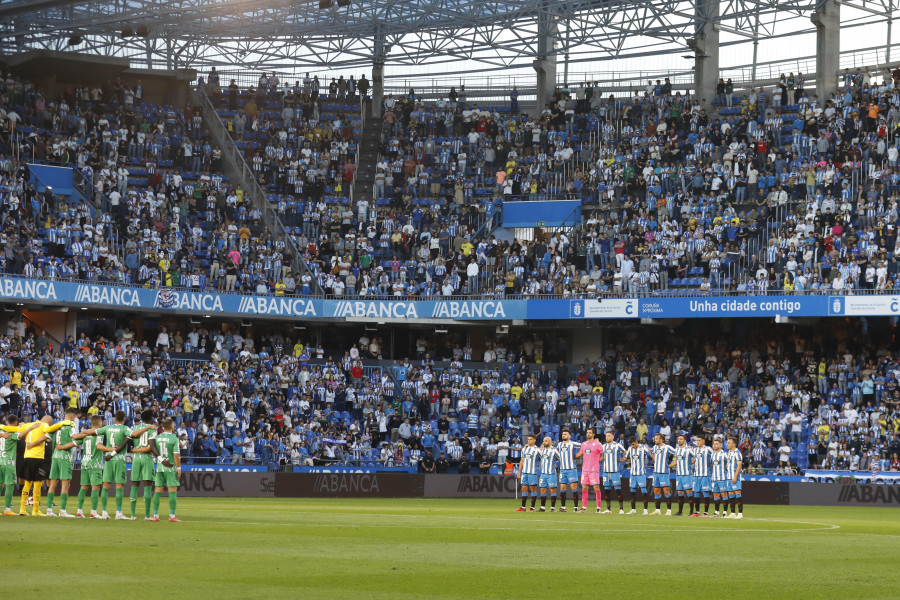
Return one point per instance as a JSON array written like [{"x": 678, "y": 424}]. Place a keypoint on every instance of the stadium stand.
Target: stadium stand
[{"x": 766, "y": 195}]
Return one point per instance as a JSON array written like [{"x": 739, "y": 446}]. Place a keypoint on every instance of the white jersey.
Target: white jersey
[
  {"x": 683, "y": 457},
  {"x": 638, "y": 458},
  {"x": 530, "y": 456},
  {"x": 549, "y": 458},
  {"x": 567, "y": 452},
  {"x": 719, "y": 465}
]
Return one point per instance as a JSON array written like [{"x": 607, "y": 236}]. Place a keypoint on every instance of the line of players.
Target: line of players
[
  {"x": 701, "y": 473},
  {"x": 156, "y": 464}
]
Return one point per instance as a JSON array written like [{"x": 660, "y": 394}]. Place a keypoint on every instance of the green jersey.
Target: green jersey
[
  {"x": 60, "y": 438},
  {"x": 8, "y": 450},
  {"x": 91, "y": 458},
  {"x": 143, "y": 441},
  {"x": 113, "y": 436},
  {"x": 167, "y": 444}
]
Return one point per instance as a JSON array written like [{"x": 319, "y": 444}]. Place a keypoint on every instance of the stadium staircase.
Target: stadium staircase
[
  {"x": 237, "y": 170},
  {"x": 367, "y": 160}
]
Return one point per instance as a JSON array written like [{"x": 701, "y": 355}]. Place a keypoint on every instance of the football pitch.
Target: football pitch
[{"x": 415, "y": 548}]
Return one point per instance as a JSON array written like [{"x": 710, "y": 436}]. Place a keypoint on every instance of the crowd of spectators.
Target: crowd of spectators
[{"x": 828, "y": 399}]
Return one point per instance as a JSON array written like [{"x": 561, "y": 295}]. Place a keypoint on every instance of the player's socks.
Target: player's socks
[
  {"x": 669, "y": 502},
  {"x": 8, "y": 496},
  {"x": 740, "y": 504},
  {"x": 63, "y": 501},
  {"x": 156, "y": 503},
  {"x": 619, "y": 497},
  {"x": 552, "y": 502},
  {"x": 104, "y": 498},
  {"x": 656, "y": 502},
  {"x": 717, "y": 503},
  {"x": 148, "y": 500},
  {"x": 562, "y": 500},
  {"x": 120, "y": 497},
  {"x": 36, "y": 494},
  {"x": 95, "y": 500},
  {"x": 575, "y": 499},
  {"x": 706, "y": 506},
  {"x": 633, "y": 503},
  {"x": 82, "y": 493},
  {"x": 133, "y": 497},
  {"x": 584, "y": 498},
  {"x": 543, "y": 501},
  {"x": 173, "y": 502},
  {"x": 25, "y": 489},
  {"x": 680, "y": 504},
  {"x": 50, "y": 497},
  {"x": 524, "y": 499}
]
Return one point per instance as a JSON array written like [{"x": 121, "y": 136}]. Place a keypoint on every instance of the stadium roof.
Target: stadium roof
[{"x": 280, "y": 34}]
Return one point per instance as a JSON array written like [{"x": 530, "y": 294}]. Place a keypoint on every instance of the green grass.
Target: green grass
[{"x": 473, "y": 549}]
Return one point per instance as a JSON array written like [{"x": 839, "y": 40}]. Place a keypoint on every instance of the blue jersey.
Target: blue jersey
[
  {"x": 719, "y": 465},
  {"x": 702, "y": 458},
  {"x": 661, "y": 459},
  {"x": 567, "y": 452},
  {"x": 612, "y": 453},
  {"x": 734, "y": 458},
  {"x": 549, "y": 457},
  {"x": 530, "y": 456},
  {"x": 683, "y": 457},
  {"x": 638, "y": 458}
]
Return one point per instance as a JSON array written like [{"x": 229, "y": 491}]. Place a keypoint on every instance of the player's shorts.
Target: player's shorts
[
  {"x": 548, "y": 481},
  {"x": 701, "y": 484},
  {"x": 142, "y": 470},
  {"x": 719, "y": 487},
  {"x": 34, "y": 469},
  {"x": 734, "y": 487},
  {"x": 662, "y": 480},
  {"x": 568, "y": 476},
  {"x": 683, "y": 483},
  {"x": 115, "y": 471},
  {"x": 8, "y": 474},
  {"x": 527, "y": 479},
  {"x": 612, "y": 480},
  {"x": 638, "y": 482},
  {"x": 61, "y": 469},
  {"x": 91, "y": 476},
  {"x": 166, "y": 479},
  {"x": 590, "y": 478}
]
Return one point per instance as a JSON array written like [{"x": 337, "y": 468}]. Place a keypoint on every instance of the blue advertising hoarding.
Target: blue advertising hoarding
[{"x": 67, "y": 293}]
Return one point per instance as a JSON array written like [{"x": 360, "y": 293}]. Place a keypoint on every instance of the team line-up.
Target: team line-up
[
  {"x": 156, "y": 464},
  {"x": 700, "y": 472}
]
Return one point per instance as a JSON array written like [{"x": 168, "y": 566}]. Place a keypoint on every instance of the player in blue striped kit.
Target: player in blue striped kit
[
  {"x": 701, "y": 468},
  {"x": 637, "y": 457},
  {"x": 719, "y": 463},
  {"x": 684, "y": 454},
  {"x": 662, "y": 482},
  {"x": 528, "y": 472},
  {"x": 612, "y": 456},
  {"x": 734, "y": 466},
  {"x": 549, "y": 458},
  {"x": 568, "y": 469}
]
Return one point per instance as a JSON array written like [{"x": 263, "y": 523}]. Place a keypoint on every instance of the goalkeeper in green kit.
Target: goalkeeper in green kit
[{"x": 168, "y": 469}]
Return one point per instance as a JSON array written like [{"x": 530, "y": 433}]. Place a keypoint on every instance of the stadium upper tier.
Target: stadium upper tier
[{"x": 778, "y": 193}]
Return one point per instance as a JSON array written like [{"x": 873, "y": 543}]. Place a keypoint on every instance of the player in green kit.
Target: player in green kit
[
  {"x": 168, "y": 469},
  {"x": 114, "y": 442},
  {"x": 8, "y": 445},
  {"x": 91, "y": 468},
  {"x": 143, "y": 466},
  {"x": 61, "y": 465}
]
